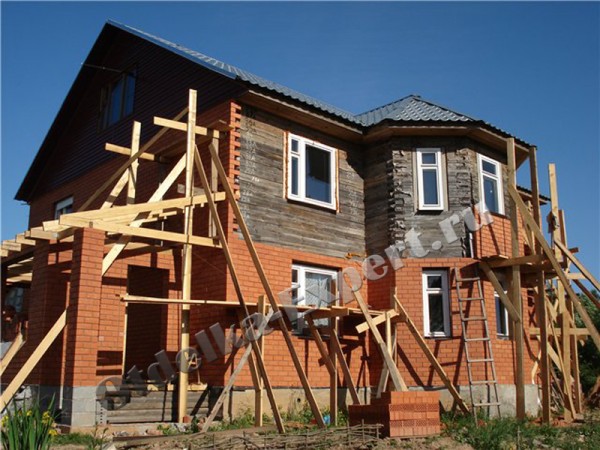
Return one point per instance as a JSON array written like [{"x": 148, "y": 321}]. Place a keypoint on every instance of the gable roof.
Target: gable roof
[{"x": 406, "y": 111}]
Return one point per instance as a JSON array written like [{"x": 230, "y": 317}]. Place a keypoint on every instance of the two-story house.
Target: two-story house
[{"x": 389, "y": 192}]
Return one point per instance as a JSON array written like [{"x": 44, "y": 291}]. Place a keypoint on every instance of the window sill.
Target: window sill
[
  {"x": 314, "y": 205},
  {"x": 438, "y": 338}
]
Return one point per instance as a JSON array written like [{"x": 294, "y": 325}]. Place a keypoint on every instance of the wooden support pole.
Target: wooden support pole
[
  {"x": 236, "y": 284},
  {"x": 556, "y": 267},
  {"x": 345, "y": 369},
  {"x": 32, "y": 361},
  {"x": 259, "y": 388},
  {"x": 266, "y": 286},
  {"x": 333, "y": 376},
  {"x": 491, "y": 276},
  {"x": 11, "y": 352},
  {"x": 540, "y": 295},
  {"x": 586, "y": 273},
  {"x": 187, "y": 255},
  {"x": 133, "y": 168},
  {"x": 515, "y": 284},
  {"x": 319, "y": 342},
  {"x": 435, "y": 364},
  {"x": 395, "y": 375}
]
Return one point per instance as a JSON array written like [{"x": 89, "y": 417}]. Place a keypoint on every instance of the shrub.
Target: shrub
[{"x": 28, "y": 428}]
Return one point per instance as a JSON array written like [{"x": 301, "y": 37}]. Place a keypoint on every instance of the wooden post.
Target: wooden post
[
  {"x": 515, "y": 284},
  {"x": 133, "y": 168},
  {"x": 540, "y": 294},
  {"x": 187, "y": 256},
  {"x": 259, "y": 388},
  {"x": 333, "y": 376},
  {"x": 564, "y": 318}
]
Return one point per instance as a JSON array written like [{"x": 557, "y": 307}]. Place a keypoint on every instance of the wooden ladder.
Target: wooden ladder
[{"x": 473, "y": 310}]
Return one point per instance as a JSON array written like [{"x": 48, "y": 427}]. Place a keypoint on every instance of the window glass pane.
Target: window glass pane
[
  {"x": 488, "y": 167},
  {"x": 490, "y": 192},
  {"x": 116, "y": 97},
  {"x": 318, "y": 292},
  {"x": 129, "y": 94},
  {"x": 318, "y": 174},
  {"x": 430, "y": 187},
  {"x": 501, "y": 323},
  {"x": 294, "y": 146},
  {"x": 436, "y": 313},
  {"x": 434, "y": 281},
  {"x": 428, "y": 158},
  {"x": 294, "y": 286},
  {"x": 294, "y": 180}
]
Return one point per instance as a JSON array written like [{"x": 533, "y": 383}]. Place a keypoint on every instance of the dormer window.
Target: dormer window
[
  {"x": 117, "y": 99},
  {"x": 312, "y": 176}
]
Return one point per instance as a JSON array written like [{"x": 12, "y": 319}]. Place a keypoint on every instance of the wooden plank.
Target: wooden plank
[
  {"x": 175, "y": 125},
  {"x": 520, "y": 260},
  {"x": 491, "y": 276},
  {"x": 158, "y": 194},
  {"x": 515, "y": 286},
  {"x": 586, "y": 273},
  {"x": 556, "y": 266},
  {"x": 149, "y": 233},
  {"x": 397, "y": 379},
  {"x": 587, "y": 293},
  {"x": 335, "y": 342},
  {"x": 266, "y": 286},
  {"x": 535, "y": 331},
  {"x": 21, "y": 239},
  {"x": 333, "y": 376},
  {"x": 11, "y": 352},
  {"x": 126, "y": 151},
  {"x": 327, "y": 313},
  {"x": 259, "y": 386},
  {"x": 377, "y": 320},
  {"x": 320, "y": 344},
  {"x": 135, "y": 164},
  {"x": 431, "y": 357},
  {"x": 236, "y": 284},
  {"x": 32, "y": 361}
]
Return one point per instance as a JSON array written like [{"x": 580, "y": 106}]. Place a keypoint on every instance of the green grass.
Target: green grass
[
  {"x": 509, "y": 433},
  {"x": 72, "y": 438}
]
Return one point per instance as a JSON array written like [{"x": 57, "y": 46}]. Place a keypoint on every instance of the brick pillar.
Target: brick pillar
[{"x": 79, "y": 398}]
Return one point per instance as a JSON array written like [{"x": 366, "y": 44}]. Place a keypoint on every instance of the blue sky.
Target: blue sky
[{"x": 529, "y": 68}]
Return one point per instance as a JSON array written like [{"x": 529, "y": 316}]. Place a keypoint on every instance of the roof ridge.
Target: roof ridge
[{"x": 389, "y": 104}]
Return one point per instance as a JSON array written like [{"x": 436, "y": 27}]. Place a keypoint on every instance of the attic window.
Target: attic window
[
  {"x": 117, "y": 99},
  {"x": 311, "y": 173}
]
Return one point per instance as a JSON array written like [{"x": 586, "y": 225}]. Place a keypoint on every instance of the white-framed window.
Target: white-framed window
[
  {"x": 430, "y": 183},
  {"x": 64, "y": 206},
  {"x": 436, "y": 303},
  {"x": 502, "y": 321},
  {"x": 315, "y": 287},
  {"x": 490, "y": 184},
  {"x": 312, "y": 176}
]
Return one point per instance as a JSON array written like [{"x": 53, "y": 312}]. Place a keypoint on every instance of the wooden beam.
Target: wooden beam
[
  {"x": 149, "y": 233},
  {"x": 320, "y": 344},
  {"x": 133, "y": 168},
  {"x": 265, "y": 283},
  {"x": 377, "y": 320},
  {"x": 327, "y": 313},
  {"x": 15, "y": 346},
  {"x": 259, "y": 387},
  {"x": 175, "y": 125},
  {"x": 435, "y": 364},
  {"x": 587, "y": 293},
  {"x": 519, "y": 261},
  {"x": 540, "y": 295},
  {"x": 158, "y": 194},
  {"x": 515, "y": 285},
  {"x": 337, "y": 348},
  {"x": 32, "y": 361},
  {"x": 580, "y": 332},
  {"x": 126, "y": 151},
  {"x": 586, "y": 273},
  {"x": 397, "y": 379},
  {"x": 491, "y": 276},
  {"x": 559, "y": 272},
  {"x": 236, "y": 284},
  {"x": 333, "y": 376}
]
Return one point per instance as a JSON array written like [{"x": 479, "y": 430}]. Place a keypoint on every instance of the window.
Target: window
[
  {"x": 490, "y": 182},
  {"x": 117, "y": 99},
  {"x": 502, "y": 323},
  {"x": 429, "y": 179},
  {"x": 65, "y": 206},
  {"x": 311, "y": 172},
  {"x": 436, "y": 306},
  {"x": 315, "y": 287}
]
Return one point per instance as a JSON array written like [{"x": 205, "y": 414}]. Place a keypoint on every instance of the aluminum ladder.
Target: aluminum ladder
[{"x": 473, "y": 310}]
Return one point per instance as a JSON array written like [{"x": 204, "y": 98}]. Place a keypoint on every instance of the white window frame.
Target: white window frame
[
  {"x": 301, "y": 156},
  {"x": 500, "y": 307},
  {"x": 497, "y": 178},
  {"x": 440, "y": 179},
  {"x": 60, "y": 205},
  {"x": 444, "y": 290},
  {"x": 301, "y": 289}
]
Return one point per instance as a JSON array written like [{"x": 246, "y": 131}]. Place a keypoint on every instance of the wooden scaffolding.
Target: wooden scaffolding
[{"x": 547, "y": 265}]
